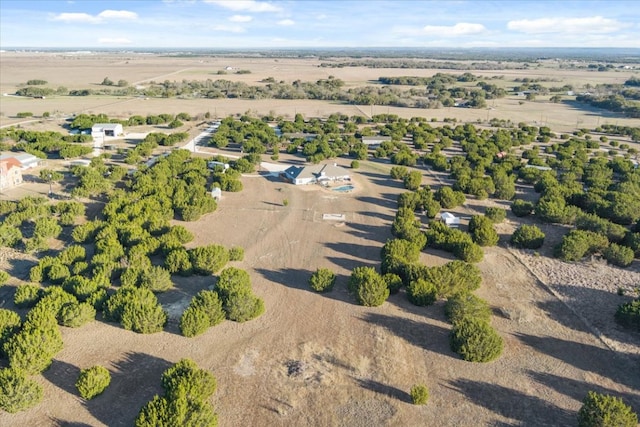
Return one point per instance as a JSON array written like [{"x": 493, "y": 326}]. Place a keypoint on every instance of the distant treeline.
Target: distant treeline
[{"x": 415, "y": 64}]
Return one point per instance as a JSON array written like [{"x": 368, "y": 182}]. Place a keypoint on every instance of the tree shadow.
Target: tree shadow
[
  {"x": 369, "y": 232},
  {"x": 386, "y": 202},
  {"x": 57, "y": 422},
  {"x": 384, "y": 389},
  {"x": 578, "y": 389},
  {"x": 425, "y": 335},
  {"x": 135, "y": 379},
  {"x": 513, "y": 404},
  {"x": 299, "y": 279},
  {"x": 358, "y": 253},
  {"x": 607, "y": 363},
  {"x": 378, "y": 215}
]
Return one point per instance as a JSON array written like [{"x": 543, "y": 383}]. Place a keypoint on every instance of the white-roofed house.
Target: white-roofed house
[
  {"x": 323, "y": 174},
  {"x": 450, "y": 219},
  {"x": 106, "y": 129}
]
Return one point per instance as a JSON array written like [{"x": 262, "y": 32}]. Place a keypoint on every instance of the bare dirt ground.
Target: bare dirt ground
[{"x": 322, "y": 360}]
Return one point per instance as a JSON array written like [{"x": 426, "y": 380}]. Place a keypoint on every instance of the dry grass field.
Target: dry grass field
[{"x": 355, "y": 365}]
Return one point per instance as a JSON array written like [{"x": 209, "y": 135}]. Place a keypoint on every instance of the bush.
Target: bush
[
  {"x": 4, "y": 276},
  {"x": 143, "y": 317},
  {"x": 527, "y": 237},
  {"x": 467, "y": 306},
  {"x": 93, "y": 381},
  {"x": 628, "y": 315},
  {"x": 601, "y": 410},
  {"x": 322, "y": 280},
  {"x": 243, "y": 306},
  {"x": 419, "y": 394},
  {"x": 211, "y": 304},
  {"x": 577, "y": 244},
  {"x": 368, "y": 286},
  {"x": 496, "y": 215},
  {"x": 178, "y": 261},
  {"x": 156, "y": 278},
  {"x": 469, "y": 252},
  {"x": 422, "y": 292},
  {"x": 475, "y": 341},
  {"x": 236, "y": 253},
  {"x": 482, "y": 231},
  {"x": 621, "y": 256},
  {"x": 355, "y": 164},
  {"x": 393, "y": 281},
  {"x": 9, "y": 324},
  {"x": 449, "y": 198},
  {"x": 208, "y": 259},
  {"x": 194, "y": 321},
  {"x": 522, "y": 208},
  {"x": 187, "y": 381},
  {"x": 32, "y": 349},
  {"x": 233, "y": 280},
  {"x": 27, "y": 295},
  {"x": 17, "y": 392},
  {"x": 74, "y": 315}
]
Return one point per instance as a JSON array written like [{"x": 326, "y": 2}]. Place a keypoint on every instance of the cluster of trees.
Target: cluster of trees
[
  {"x": 603, "y": 410},
  {"x": 458, "y": 242},
  {"x": 45, "y": 144},
  {"x": 239, "y": 302},
  {"x": 187, "y": 389}
]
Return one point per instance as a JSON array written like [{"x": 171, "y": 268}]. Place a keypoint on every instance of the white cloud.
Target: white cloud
[
  {"x": 228, "y": 28},
  {"x": 75, "y": 17},
  {"x": 105, "y": 15},
  {"x": 240, "y": 18},
  {"x": 245, "y": 5},
  {"x": 460, "y": 29},
  {"x": 117, "y": 40},
  {"x": 593, "y": 24},
  {"x": 117, "y": 14},
  {"x": 286, "y": 22}
]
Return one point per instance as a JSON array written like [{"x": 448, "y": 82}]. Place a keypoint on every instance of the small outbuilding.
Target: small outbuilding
[
  {"x": 99, "y": 130},
  {"x": 450, "y": 219},
  {"x": 375, "y": 141}
]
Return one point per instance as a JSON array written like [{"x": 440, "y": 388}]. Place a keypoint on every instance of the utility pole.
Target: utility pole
[{"x": 50, "y": 191}]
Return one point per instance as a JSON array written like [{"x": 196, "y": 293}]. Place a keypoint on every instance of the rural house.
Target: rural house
[
  {"x": 27, "y": 161},
  {"x": 10, "y": 173},
  {"x": 316, "y": 174}
]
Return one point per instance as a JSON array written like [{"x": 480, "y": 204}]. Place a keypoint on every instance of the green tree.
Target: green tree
[
  {"x": 465, "y": 306},
  {"x": 368, "y": 286},
  {"x": 628, "y": 315},
  {"x": 93, "y": 381},
  {"x": 32, "y": 349},
  {"x": 74, "y": 315},
  {"x": 208, "y": 259},
  {"x": 156, "y": 278},
  {"x": 17, "y": 392},
  {"x": 322, "y": 280},
  {"x": 528, "y": 237},
  {"x": 619, "y": 255},
  {"x": 422, "y": 292},
  {"x": 475, "y": 341},
  {"x": 413, "y": 180},
  {"x": 602, "y": 410},
  {"x": 194, "y": 321}
]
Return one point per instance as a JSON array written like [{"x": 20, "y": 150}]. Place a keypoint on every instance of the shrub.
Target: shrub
[
  {"x": 522, "y": 208},
  {"x": 621, "y": 256},
  {"x": 449, "y": 198},
  {"x": 475, "y": 341},
  {"x": 17, "y": 392},
  {"x": 393, "y": 281},
  {"x": 628, "y": 314},
  {"x": 467, "y": 306},
  {"x": 236, "y": 253},
  {"x": 482, "y": 232},
  {"x": 355, "y": 164},
  {"x": 9, "y": 324},
  {"x": 368, "y": 286},
  {"x": 27, "y": 295},
  {"x": 396, "y": 253},
  {"x": 187, "y": 381},
  {"x": 496, "y": 215},
  {"x": 178, "y": 261},
  {"x": 601, "y": 410},
  {"x": 322, "y": 280},
  {"x": 4, "y": 276},
  {"x": 156, "y": 278},
  {"x": 422, "y": 292},
  {"x": 243, "y": 306},
  {"x": 399, "y": 172},
  {"x": 419, "y": 394},
  {"x": 469, "y": 252},
  {"x": 194, "y": 321},
  {"x": 9, "y": 236},
  {"x": 527, "y": 237},
  {"x": 32, "y": 349},
  {"x": 93, "y": 381},
  {"x": 577, "y": 244},
  {"x": 208, "y": 259},
  {"x": 75, "y": 315},
  {"x": 233, "y": 280},
  {"x": 211, "y": 304},
  {"x": 143, "y": 317}
]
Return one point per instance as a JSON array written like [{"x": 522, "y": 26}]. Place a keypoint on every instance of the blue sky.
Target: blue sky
[{"x": 309, "y": 24}]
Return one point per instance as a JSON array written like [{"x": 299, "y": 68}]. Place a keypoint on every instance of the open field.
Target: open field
[
  {"x": 88, "y": 71},
  {"x": 357, "y": 364}
]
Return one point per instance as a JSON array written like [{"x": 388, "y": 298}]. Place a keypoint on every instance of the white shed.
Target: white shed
[
  {"x": 106, "y": 129},
  {"x": 450, "y": 219}
]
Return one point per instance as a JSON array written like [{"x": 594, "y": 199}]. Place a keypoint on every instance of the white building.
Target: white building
[
  {"x": 100, "y": 130},
  {"x": 450, "y": 219},
  {"x": 321, "y": 174},
  {"x": 375, "y": 141},
  {"x": 27, "y": 161}
]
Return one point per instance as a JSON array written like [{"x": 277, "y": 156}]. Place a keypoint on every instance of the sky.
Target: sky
[{"x": 250, "y": 24}]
